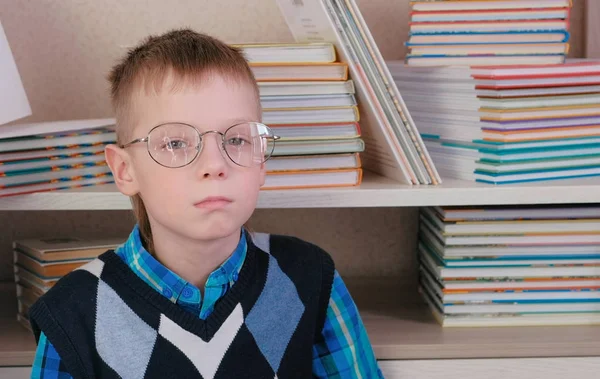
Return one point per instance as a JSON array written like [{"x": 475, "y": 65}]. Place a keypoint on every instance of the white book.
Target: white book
[
  {"x": 547, "y": 211},
  {"x": 485, "y": 296},
  {"x": 457, "y": 151},
  {"x": 572, "y": 68},
  {"x": 307, "y": 101},
  {"x": 305, "y": 88},
  {"x": 537, "y": 91},
  {"x": 542, "y": 101},
  {"x": 495, "y": 319},
  {"x": 525, "y": 239},
  {"x": 503, "y": 250},
  {"x": 518, "y": 308},
  {"x": 515, "y": 115},
  {"x": 455, "y": 173},
  {"x": 419, "y": 60},
  {"x": 315, "y": 147},
  {"x": 463, "y": 164},
  {"x": 498, "y": 309},
  {"x": 59, "y": 185},
  {"x": 316, "y": 131},
  {"x": 288, "y": 52},
  {"x": 529, "y": 82},
  {"x": 491, "y": 15},
  {"x": 450, "y": 131},
  {"x": 520, "y": 178},
  {"x": 559, "y": 48},
  {"x": 516, "y": 167},
  {"x": 484, "y": 4},
  {"x": 313, "y": 162},
  {"x": 450, "y": 118},
  {"x": 495, "y": 251},
  {"x": 48, "y": 152},
  {"x": 432, "y": 99},
  {"x": 383, "y": 124},
  {"x": 52, "y": 176},
  {"x": 426, "y": 84},
  {"x": 517, "y": 147},
  {"x": 546, "y": 123},
  {"x": 310, "y": 115},
  {"x": 474, "y": 285},
  {"x": 49, "y": 165},
  {"x": 299, "y": 71},
  {"x": 537, "y": 134},
  {"x": 512, "y": 157},
  {"x": 312, "y": 179},
  {"x": 422, "y": 103},
  {"x": 13, "y": 98},
  {"x": 39, "y": 142},
  {"x": 451, "y": 39},
  {"x": 442, "y": 272},
  {"x": 523, "y": 262},
  {"x": 38, "y": 128},
  {"x": 497, "y": 227},
  {"x": 488, "y": 27}
]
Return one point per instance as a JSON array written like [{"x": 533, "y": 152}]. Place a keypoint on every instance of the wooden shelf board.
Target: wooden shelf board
[
  {"x": 375, "y": 191},
  {"x": 396, "y": 331}
]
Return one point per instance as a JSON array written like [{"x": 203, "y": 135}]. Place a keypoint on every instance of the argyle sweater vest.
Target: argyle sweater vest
[{"x": 106, "y": 322}]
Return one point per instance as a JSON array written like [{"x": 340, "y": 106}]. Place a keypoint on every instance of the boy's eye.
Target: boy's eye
[
  {"x": 237, "y": 141},
  {"x": 175, "y": 144}
]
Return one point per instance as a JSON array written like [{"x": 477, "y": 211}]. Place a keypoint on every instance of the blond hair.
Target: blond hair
[{"x": 186, "y": 57}]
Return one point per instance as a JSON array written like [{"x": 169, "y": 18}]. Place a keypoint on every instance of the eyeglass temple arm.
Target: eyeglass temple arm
[{"x": 145, "y": 139}]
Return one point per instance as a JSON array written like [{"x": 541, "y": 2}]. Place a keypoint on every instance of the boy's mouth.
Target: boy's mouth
[{"x": 213, "y": 202}]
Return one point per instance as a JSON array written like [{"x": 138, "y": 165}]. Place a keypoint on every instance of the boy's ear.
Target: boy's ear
[{"x": 119, "y": 162}]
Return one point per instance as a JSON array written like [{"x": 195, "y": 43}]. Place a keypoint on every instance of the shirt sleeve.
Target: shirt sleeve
[
  {"x": 47, "y": 362},
  {"x": 345, "y": 350}
]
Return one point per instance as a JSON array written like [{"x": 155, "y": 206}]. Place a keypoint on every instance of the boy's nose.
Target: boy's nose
[{"x": 212, "y": 161}]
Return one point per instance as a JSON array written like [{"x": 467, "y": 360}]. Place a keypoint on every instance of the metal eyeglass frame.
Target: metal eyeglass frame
[{"x": 201, "y": 145}]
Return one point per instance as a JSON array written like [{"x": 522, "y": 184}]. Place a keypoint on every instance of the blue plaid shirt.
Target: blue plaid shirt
[{"x": 345, "y": 353}]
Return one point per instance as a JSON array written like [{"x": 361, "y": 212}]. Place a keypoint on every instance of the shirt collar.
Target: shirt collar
[{"x": 167, "y": 282}]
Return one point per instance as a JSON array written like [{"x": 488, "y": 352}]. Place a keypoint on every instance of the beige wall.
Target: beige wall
[{"x": 65, "y": 48}]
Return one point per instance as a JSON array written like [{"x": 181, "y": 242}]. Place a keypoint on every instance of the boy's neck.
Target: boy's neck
[{"x": 193, "y": 260}]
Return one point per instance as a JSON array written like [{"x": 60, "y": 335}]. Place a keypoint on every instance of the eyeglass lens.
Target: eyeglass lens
[{"x": 176, "y": 145}]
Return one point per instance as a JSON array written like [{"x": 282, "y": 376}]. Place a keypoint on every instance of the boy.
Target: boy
[{"x": 192, "y": 294}]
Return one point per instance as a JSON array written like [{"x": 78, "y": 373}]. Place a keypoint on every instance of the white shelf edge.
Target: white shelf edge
[{"x": 375, "y": 191}]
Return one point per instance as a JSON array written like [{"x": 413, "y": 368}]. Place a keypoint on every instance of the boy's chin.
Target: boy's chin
[{"x": 211, "y": 231}]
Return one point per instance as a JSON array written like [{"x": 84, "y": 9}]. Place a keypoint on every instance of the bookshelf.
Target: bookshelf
[
  {"x": 375, "y": 191},
  {"x": 400, "y": 326},
  {"x": 397, "y": 330},
  {"x": 404, "y": 335}
]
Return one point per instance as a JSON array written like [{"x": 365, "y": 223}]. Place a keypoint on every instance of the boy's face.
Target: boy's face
[{"x": 212, "y": 197}]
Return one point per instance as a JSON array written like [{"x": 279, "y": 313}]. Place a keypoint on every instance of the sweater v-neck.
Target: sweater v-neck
[{"x": 206, "y": 328}]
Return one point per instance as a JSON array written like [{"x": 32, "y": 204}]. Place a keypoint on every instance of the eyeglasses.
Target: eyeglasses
[{"x": 176, "y": 145}]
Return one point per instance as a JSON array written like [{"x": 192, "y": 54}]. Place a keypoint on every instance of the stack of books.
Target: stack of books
[
  {"x": 40, "y": 263},
  {"x": 51, "y": 156},
  {"x": 511, "y": 266},
  {"x": 393, "y": 146},
  {"x": 308, "y": 101},
  {"x": 507, "y": 124},
  {"x": 499, "y": 32}
]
